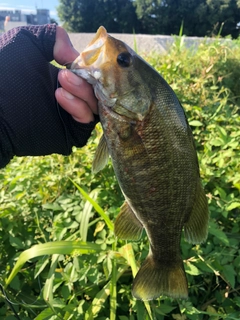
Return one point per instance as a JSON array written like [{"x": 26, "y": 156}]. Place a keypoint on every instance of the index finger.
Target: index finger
[{"x": 78, "y": 87}]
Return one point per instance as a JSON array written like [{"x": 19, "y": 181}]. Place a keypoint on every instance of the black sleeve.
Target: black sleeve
[{"x": 31, "y": 122}]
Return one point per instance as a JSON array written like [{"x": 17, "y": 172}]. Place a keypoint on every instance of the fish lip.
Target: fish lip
[
  {"x": 78, "y": 63},
  {"x": 85, "y": 74},
  {"x": 89, "y": 73}
]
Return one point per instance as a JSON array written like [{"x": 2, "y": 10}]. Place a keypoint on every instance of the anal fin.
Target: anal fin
[
  {"x": 101, "y": 156},
  {"x": 127, "y": 226},
  {"x": 196, "y": 228}
]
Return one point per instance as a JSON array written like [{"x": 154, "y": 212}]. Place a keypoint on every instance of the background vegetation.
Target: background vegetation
[
  {"x": 200, "y": 17},
  {"x": 69, "y": 265}
]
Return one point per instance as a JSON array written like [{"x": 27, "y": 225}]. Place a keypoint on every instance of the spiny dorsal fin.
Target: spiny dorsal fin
[
  {"x": 196, "y": 228},
  {"x": 127, "y": 226},
  {"x": 101, "y": 156}
]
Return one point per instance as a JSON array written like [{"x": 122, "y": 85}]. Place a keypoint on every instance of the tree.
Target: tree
[
  {"x": 52, "y": 20},
  {"x": 220, "y": 14},
  {"x": 146, "y": 11},
  {"x": 200, "y": 17},
  {"x": 88, "y": 15}
]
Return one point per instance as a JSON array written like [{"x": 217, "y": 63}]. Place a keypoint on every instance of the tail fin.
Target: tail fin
[{"x": 154, "y": 279}]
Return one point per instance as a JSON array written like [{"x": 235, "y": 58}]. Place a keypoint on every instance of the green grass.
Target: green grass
[{"x": 59, "y": 256}]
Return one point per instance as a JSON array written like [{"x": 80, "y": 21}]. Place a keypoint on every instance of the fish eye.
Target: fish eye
[{"x": 124, "y": 59}]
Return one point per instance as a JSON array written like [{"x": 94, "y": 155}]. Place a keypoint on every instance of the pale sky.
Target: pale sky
[{"x": 30, "y": 5}]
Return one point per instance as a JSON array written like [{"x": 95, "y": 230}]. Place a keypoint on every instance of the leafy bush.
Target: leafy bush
[{"x": 44, "y": 202}]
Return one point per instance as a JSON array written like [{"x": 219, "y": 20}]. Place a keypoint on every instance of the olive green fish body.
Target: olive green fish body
[
  {"x": 158, "y": 175},
  {"x": 150, "y": 143}
]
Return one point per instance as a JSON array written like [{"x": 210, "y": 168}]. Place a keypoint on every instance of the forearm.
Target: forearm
[{"x": 31, "y": 121}]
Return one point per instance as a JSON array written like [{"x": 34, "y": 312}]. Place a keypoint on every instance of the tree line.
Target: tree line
[{"x": 199, "y": 17}]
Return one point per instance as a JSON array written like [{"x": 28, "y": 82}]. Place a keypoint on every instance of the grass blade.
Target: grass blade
[
  {"x": 128, "y": 254},
  {"x": 57, "y": 247},
  {"x": 87, "y": 209},
  {"x": 113, "y": 287},
  {"x": 48, "y": 287},
  {"x": 101, "y": 297},
  {"x": 96, "y": 206}
]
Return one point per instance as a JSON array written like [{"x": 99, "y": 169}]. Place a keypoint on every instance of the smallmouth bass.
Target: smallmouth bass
[{"x": 146, "y": 133}]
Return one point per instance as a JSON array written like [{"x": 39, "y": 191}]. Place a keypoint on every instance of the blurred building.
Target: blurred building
[{"x": 14, "y": 18}]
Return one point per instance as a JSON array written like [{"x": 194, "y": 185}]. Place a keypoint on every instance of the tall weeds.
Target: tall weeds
[{"x": 59, "y": 257}]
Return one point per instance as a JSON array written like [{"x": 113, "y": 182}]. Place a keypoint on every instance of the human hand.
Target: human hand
[{"x": 76, "y": 95}]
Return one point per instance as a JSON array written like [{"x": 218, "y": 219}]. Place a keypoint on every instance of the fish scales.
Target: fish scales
[
  {"x": 151, "y": 146},
  {"x": 158, "y": 178}
]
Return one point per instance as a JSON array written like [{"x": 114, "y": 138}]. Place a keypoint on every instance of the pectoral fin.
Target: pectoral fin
[
  {"x": 101, "y": 156},
  {"x": 127, "y": 226},
  {"x": 196, "y": 228}
]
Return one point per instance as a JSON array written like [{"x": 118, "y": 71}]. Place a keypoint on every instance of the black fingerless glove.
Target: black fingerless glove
[{"x": 31, "y": 121}]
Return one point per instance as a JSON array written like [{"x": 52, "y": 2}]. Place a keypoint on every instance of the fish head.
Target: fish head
[{"x": 115, "y": 72}]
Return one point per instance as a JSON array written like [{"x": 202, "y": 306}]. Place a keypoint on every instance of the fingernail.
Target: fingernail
[
  {"x": 66, "y": 94},
  {"x": 72, "y": 78}
]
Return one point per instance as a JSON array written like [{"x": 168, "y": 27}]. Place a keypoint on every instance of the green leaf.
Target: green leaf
[
  {"x": 229, "y": 273},
  {"x": 195, "y": 123},
  {"x": 52, "y": 206},
  {"x": 233, "y": 205},
  {"x": 15, "y": 284},
  {"x": 16, "y": 242},
  {"x": 218, "y": 233},
  {"x": 217, "y": 142},
  {"x": 192, "y": 269},
  {"x": 222, "y": 132},
  {"x": 40, "y": 265},
  {"x": 214, "y": 88},
  {"x": 45, "y": 314},
  {"x": 221, "y": 192},
  {"x": 164, "y": 309}
]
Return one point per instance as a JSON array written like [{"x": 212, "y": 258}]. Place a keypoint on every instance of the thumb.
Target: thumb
[{"x": 63, "y": 50}]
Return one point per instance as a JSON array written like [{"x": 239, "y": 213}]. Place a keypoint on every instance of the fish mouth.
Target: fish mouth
[
  {"x": 94, "y": 50},
  {"x": 92, "y": 55},
  {"x": 88, "y": 66}
]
